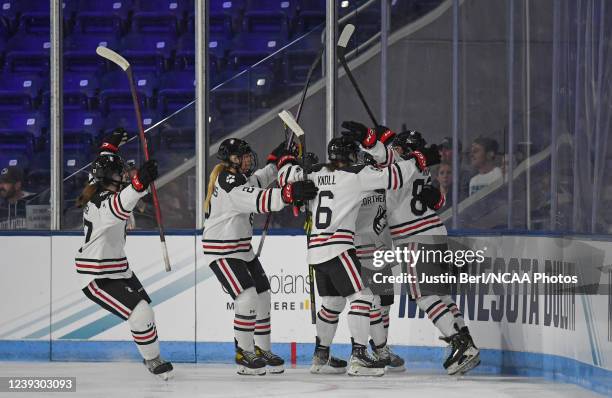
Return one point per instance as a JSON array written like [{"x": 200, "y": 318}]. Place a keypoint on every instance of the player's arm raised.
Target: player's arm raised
[
  {"x": 289, "y": 170},
  {"x": 246, "y": 199}
]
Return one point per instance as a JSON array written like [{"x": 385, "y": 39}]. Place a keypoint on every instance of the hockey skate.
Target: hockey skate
[
  {"x": 393, "y": 362},
  {"x": 276, "y": 364},
  {"x": 362, "y": 364},
  {"x": 249, "y": 363},
  {"x": 324, "y": 363},
  {"x": 159, "y": 367},
  {"x": 464, "y": 355}
]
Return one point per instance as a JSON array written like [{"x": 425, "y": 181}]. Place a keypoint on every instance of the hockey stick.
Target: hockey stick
[
  {"x": 293, "y": 125},
  {"x": 314, "y": 65},
  {"x": 125, "y": 65},
  {"x": 345, "y": 36}
]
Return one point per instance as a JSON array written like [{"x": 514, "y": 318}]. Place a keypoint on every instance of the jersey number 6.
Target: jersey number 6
[{"x": 323, "y": 211}]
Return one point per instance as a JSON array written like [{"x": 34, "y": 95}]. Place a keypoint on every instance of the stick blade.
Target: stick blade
[
  {"x": 113, "y": 57},
  {"x": 290, "y": 121},
  {"x": 346, "y": 34}
]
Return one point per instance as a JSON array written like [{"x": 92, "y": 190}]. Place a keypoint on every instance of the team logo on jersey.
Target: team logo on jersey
[
  {"x": 230, "y": 179},
  {"x": 380, "y": 221}
]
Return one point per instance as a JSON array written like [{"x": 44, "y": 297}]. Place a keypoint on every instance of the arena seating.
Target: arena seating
[{"x": 158, "y": 37}]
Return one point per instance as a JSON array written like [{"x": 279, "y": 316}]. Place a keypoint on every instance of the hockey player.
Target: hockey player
[
  {"x": 101, "y": 262},
  {"x": 414, "y": 224},
  {"x": 235, "y": 192},
  {"x": 331, "y": 247},
  {"x": 372, "y": 234}
]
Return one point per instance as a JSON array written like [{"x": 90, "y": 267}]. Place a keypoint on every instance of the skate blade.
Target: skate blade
[
  {"x": 395, "y": 369},
  {"x": 165, "y": 376},
  {"x": 371, "y": 372},
  {"x": 466, "y": 366},
  {"x": 244, "y": 371},
  {"x": 472, "y": 365},
  {"x": 327, "y": 370},
  {"x": 276, "y": 370}
]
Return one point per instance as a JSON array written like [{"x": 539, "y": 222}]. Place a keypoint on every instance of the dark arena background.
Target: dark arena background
[{"x": 516, "y": 94}]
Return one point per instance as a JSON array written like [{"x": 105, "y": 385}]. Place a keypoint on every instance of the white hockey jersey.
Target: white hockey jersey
[
  {"x": 228, "y": 227},
  {"x": 372, "y": 229},
  {"x": 105, "y": 219},
  {"x": 410, "y": 220},
  {"x": 335, "y": 209}
]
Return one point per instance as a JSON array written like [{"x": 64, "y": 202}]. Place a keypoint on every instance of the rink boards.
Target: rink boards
[{"x": 45, "y": 316}]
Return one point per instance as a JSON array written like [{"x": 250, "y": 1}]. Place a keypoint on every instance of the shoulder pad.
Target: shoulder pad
[
  {"x": 99, "y": 197},
  {"x": 354, "y": 169},
  {"x": 228, "y": 181}
]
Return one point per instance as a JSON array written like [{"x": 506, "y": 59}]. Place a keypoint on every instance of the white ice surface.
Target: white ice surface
[{"x": 132, "y": 380}]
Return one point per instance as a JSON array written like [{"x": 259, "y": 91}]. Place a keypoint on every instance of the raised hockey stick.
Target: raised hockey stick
[
  {"x": 125, "y": 65},
  {"x": 314, "y": 65},
  {"x": 293, "y": 125},
  {"x": 345, "y": 36}
]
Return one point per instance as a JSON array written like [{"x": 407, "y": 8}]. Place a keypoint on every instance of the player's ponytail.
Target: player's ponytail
[
  {"x": 88, "y": 192},
  {"x": 214, "y": 174}
]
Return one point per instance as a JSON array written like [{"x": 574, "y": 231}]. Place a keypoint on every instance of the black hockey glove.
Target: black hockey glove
[
  {"x": 299, "y": 192},
  {"x": 431, "y": 197},
  {"x": 309, "y": 159},
  {"x": 360, "y": 133},
  {"x": 428, "y": 156},
  {"x": 111, "y": 142},
  {"x": 145, "y": 176},
  {"x": 280, "y": 151}
]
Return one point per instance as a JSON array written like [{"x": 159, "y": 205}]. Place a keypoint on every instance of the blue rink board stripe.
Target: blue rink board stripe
[{"x": 494, "y": 362}]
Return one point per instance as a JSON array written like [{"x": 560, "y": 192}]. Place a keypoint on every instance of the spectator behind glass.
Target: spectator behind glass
[
  {"x": 482, "y": 158},
  {"x": 12, "y": 199},
  {"x": 446, "y": 156},
  {"x": 444, "y": 182}
]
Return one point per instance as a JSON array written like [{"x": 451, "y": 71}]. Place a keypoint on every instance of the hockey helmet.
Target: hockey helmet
[
  {"x": 409, "y": 140},
  {"x": 342, "y": 149},
  {"x": 239, "y": 148},
  {"x": 109, "y": 168}
]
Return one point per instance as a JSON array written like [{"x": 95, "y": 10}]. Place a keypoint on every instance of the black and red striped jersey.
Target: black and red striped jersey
[
  {"x": 341, "y": 191},
  {"x": 228, "y": 227},
  {"x": 409, "y": 219},
  {"x": 372, "y": 228},
  {"x": 105, "y": 219}
]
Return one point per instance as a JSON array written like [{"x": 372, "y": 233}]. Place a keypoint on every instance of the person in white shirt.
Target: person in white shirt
[{"x": 482, "y": 158}]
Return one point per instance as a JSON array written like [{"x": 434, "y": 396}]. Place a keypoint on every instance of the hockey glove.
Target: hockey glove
[
  {"x": 145, "y": 176},
  {"x": 384, "y": 134},
  {"x": 299, "y": 192},
  {"x": 428, "y": 156},
  {"x": 431, "y": 197},
  {"x": 280, "y": 151},
  {"x": 360, "y": 133},
  {"x": 111, "y": 142},
  {"x": 308, "y": 160}
]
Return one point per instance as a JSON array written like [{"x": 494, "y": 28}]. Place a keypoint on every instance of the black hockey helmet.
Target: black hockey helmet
[
  {"x": 239, "y": 148},
  {"x": 342, "y": 149},
  {"x": 409, "y": 140},
  {"x": 109, "y": 168}
]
